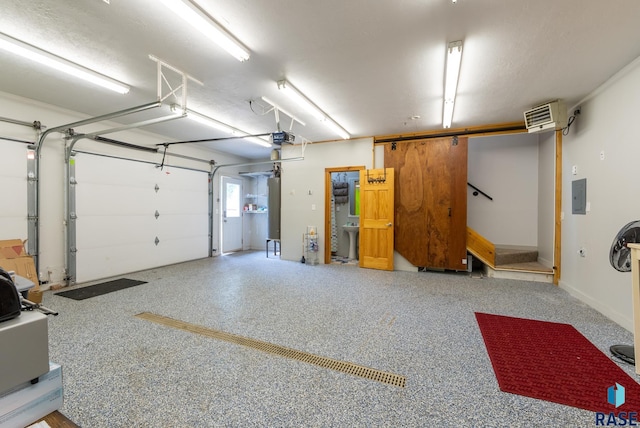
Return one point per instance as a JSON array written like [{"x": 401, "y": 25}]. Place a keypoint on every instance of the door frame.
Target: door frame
[{"x": 327, "y": 205}]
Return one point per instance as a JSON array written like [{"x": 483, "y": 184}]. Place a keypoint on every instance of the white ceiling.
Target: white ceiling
[{"x": 369, "y": 64}]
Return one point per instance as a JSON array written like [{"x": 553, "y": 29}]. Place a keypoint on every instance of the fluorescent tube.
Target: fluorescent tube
[
  {"x": 216, "y": 124},
  {"x": 201, "y": 21},
  {"x": 40, "y": 56},
  {"x": 452, "y": 72},
  {"x": 304, "y": 102}
]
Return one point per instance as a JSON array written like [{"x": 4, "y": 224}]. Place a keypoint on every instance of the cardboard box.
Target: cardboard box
[
  {"x": 34, "y": 296},
  {"x": 14, "y": 257},
  {"x": 26, "y": 403},
  {"x": 11, "y": 249}
]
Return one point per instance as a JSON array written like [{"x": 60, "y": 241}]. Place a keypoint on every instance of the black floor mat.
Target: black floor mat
[{"x": 100, "y": 289}]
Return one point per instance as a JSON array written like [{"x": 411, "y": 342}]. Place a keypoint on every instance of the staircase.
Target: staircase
[{"x": 507, "y": 262}]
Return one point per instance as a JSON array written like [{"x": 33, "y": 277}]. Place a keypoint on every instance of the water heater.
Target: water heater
[{"x": 273, "y": 184}]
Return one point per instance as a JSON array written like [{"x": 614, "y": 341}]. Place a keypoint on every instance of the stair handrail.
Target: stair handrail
[{"x": 476, "y": 191}]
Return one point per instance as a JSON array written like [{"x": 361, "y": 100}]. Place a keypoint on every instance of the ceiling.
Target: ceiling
[{"x": 375, "y": 67}]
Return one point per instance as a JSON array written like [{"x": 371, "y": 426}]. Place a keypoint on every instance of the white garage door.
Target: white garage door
[
  {"x": 13, "y": 190},
  {"x": 117, "y": 229}
]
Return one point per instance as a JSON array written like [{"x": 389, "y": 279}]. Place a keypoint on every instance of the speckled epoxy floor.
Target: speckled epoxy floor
[{"x": 121, "y": 371}]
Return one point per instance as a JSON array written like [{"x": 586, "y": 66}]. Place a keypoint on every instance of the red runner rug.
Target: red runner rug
[{"x": 553, "y": 362}]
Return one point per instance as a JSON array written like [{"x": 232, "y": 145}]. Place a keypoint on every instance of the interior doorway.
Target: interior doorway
[
  {"x": 340, "y": 210},
  {"x": 231, "y": 221}
]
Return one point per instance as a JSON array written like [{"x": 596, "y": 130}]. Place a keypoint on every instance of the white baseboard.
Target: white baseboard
[{"x": 605, "y": 310}]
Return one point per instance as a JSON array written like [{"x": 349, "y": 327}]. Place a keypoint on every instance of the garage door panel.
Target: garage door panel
[
  {"x": 178, "y": 202},
  {"x": 178, "y": 205},
  {"x": 14, "y": 196},
  {"x": 181, "y": 249},
  {"x": 13, "y": 162},
  {"x": 13, "y": 228},
  {"x": 116, "y": 227},
  {"x": 186, "y": 225},
  {"x": 122, "y": 229},
  {"x": 104, "y": 199},
  {"x": 92, "y": 170},
  {"x": 181, "y": 193},
  {"x": 112, "y": 260},
  {"x": 13, "y": 188}
]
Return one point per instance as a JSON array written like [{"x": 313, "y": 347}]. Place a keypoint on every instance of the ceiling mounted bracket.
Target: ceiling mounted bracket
[
  {"x": 179, "y": 93},
  {"x": 277, "y": 110}
]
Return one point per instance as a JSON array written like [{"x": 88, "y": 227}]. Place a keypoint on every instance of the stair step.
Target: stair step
[
  {"x": 510, "y": 256},
  {"x": 533, "y": 267},
  {"x": 526, "y": 272}
]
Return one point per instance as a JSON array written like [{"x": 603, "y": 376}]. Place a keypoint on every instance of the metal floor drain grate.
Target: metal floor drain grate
[{"x": 329, "y": 363}]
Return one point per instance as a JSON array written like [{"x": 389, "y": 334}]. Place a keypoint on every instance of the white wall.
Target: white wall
[
  {"x": 506, "y": 168},
  {"x": 546, "y": 197},
  {"x": 303, "y": 192},
  {"x": 607, "y": 124},
  {"x": 52, "y": 229}
]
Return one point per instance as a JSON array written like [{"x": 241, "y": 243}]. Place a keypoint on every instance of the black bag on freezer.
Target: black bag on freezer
[{"x": 9, "y": 299}]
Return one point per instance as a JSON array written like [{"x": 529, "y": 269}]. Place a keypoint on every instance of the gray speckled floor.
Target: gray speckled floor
[{"x": 121, "y": 371}]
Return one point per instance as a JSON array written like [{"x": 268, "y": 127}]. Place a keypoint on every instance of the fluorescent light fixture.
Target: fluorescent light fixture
[
  {"x": 201, "y": 21},
  {"x": 304, "y": 102},
  {"x": 210, "y": 122},
  {"x": 216, "y": 124},
  {"x": 336, "y": 128},
  {"x": 454, "y": 58},
  {"x": 40, "y": 56},
  {"x": 447, "y": 114},
  {"x": 300, "y": 99},
  {"x": 257, "y": 140}
]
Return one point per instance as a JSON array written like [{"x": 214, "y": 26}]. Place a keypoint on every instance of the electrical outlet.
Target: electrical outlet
[
  {"x": 602, "y": 155},
  {"x": 574, "y": 170}
]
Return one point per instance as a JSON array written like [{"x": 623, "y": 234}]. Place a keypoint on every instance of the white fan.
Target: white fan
[
  {"x": 620, "y": 259},
  {"x": 620, "y": 255}
]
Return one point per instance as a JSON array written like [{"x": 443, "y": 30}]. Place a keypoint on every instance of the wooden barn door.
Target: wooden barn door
[{"x": 431, "y": 201}]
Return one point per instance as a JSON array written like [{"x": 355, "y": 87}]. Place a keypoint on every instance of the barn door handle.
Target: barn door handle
[{"x": 449, "y": 212}]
